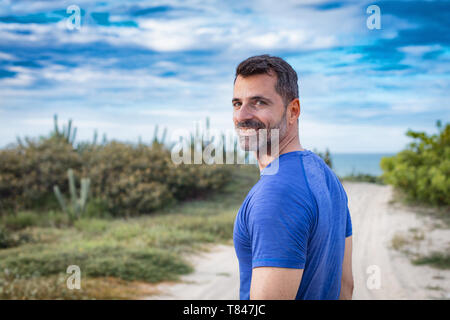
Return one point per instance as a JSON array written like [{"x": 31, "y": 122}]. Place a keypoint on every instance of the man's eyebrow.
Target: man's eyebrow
[{"x": 254, "y": 98}]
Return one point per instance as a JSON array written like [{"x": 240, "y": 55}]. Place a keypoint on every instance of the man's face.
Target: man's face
[{"x": 256, "y": 105}]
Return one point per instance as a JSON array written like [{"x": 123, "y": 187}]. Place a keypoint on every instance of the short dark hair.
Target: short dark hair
[{"x": 286, "y": 87}]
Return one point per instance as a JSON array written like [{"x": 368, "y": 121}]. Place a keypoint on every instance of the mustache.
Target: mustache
[{"x": 253, "y": 124}]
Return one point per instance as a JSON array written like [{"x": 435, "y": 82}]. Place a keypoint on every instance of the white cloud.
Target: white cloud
[
  {"x": 351, "y": 137},
  {"x": 419, "y": 50},
  {"x": 6, "y": 56}
]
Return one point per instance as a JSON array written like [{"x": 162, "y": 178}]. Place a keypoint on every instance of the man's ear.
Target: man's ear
[{"x": 294, "y": 110}]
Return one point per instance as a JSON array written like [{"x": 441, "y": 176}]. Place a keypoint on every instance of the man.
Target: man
[{"x": 292, "y": 234}]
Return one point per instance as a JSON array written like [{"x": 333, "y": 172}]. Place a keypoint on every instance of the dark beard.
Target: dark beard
[{"x": 246, "y": 141}]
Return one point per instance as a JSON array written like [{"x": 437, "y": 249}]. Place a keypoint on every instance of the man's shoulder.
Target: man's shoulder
[
  {"x": 272, "y": 192},
  {"x": 323, "y": 181},
  {"x": 277, "y": 185},
  {"x": 319, "y": 173}
]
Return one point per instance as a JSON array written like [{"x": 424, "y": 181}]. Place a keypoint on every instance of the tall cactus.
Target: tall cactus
[
  {"x": 76, "y": 205},
  {"x": 67, "y": 133}
]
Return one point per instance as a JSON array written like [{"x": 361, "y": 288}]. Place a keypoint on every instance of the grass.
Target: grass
[
  {"x": 398, "y": 242},
  {"x": 361, "y": 177},
  {"x": 54, "y": 287},
  {"x": 116, "y": 256},
  {"x": 438, "y": 260},
  {"x": 441, "y": 214}
]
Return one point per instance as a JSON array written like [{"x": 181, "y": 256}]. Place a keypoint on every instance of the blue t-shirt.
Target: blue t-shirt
[{"x": 295, "y": 216}]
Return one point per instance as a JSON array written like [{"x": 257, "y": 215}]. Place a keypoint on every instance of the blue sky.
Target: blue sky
[{"x": 135, "y": 64}]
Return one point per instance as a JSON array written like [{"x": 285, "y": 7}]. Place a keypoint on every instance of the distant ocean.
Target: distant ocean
[{"x": 367, "y": 163}]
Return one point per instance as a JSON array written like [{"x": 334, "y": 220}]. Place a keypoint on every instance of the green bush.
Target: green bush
[
  {"x": 362, "y": 177},
  {"x": 20, "y": 220},
  {"x": 5, "y": 239},
  {"x": 326, "y": 157},
  {"x": 190, "y": 181},
  {"x": 126, "y": 179},
  {"x": 129, "y": 179},
  {"x": 422, "y": 171},
  {"x": 96, "y": 208},
  {"x": 29, "y": 172},
  {"x": 9, "y": 239}
]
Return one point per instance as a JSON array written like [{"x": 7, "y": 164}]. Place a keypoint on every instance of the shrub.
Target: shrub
[
  {"x": 126, "y": 179},
  {"x": 8, "y": 239},
  {"x": 29, "y": 172},
  {"x": 5, "y": 239},
  {"x": 129, "y": 179},
  {"x": 422, "y": 171},
  {"x": 326, "y": 157},
  {"x": 188, "y": 181},
  {"x": 362, "y": 177},
  {"x": 20, "y": 220},
  {"x": 96, "y": 208},
  {"x": 140, "y": 179}
]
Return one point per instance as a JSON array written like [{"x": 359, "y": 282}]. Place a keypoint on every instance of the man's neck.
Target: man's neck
[{"x": 289, "y": 144}]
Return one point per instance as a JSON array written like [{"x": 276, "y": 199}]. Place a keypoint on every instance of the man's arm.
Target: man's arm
[
  {"x": 347, "y": 275},
  {"x": 273, "y": 283}
]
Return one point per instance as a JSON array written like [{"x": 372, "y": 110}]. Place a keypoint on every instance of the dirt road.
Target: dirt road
[
  {"x": 380, "y": 272},
  {"x": 216, "y": 277}
]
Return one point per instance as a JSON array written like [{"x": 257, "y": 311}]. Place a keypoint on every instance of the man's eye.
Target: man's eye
[
  {"x": 260, "y": 102},
  {"x": 236, "y": 104}
]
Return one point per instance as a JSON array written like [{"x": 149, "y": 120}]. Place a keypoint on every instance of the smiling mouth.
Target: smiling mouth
[{"x": 247, "y": 131}]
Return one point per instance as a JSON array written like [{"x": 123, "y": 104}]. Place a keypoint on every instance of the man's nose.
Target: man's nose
[{"x": 244, "y": 113}]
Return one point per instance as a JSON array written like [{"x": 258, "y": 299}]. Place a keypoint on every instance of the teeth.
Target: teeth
[{"x": 247, "y": 132}]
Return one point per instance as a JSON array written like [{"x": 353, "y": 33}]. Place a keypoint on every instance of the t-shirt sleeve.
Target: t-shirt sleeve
[
  {"x": 348, "y": 228},
  {"x": 279, "y": 231}
]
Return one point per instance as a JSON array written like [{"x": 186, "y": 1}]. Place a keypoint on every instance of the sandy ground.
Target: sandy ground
[
  {"x": 216, "y": 277},
  {"x": 380, "y": 272},
  {"x": 375, "y": 224}
]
